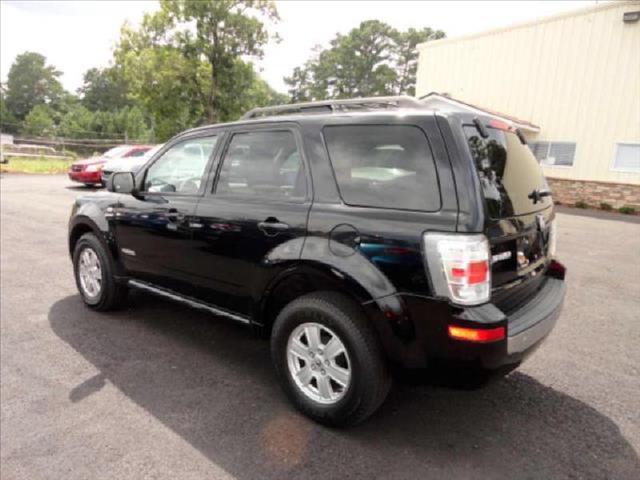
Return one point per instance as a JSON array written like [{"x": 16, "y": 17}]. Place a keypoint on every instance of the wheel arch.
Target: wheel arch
[{"x": 82, "y": 224}]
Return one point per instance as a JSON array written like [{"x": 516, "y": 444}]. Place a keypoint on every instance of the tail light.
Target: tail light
[
  {"x": 552, "y": 240},
  {"x": 459, "y": 267}
]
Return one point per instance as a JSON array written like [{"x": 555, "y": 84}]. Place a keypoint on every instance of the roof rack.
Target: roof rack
[{"x": 331, "y": 106}]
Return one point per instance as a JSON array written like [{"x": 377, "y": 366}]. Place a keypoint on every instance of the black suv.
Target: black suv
[{"x": 359, "y": 234}]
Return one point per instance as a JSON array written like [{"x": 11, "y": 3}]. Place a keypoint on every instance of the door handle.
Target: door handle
[
  {"x": 174, "y": 215},
  {"x": 271, "y": 227}
]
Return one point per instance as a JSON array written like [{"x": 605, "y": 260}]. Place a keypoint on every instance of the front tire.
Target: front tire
[
  {"x": 328, "y": 359},
  {"x": 93, "y": 272}
]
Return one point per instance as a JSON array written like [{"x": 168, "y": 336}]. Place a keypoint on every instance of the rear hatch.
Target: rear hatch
[{"x": 518, "y": 208}]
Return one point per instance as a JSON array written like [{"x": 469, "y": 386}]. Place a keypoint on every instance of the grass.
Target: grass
[
  {"x": 581, "y": 204},
  {"x": 35, "y": 165}
]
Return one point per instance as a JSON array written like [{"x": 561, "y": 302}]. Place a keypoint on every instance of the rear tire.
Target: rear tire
[
  {"x": 339, "y": 391},
  {"x": 93, "y": 271}
]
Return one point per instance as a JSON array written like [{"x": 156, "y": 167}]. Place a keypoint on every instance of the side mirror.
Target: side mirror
[{"x": 121, "y": 182}]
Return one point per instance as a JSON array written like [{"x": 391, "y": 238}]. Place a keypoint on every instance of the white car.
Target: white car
[{"x": 129, "y": 164}]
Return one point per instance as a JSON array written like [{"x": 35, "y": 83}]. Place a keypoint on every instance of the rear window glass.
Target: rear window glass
[
  {"x": 386, "y": 166},
  {"x": 508, "y": 172}
]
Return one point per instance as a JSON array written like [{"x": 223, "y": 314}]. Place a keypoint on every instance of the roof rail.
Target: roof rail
[{"x": 331, "y": 106}]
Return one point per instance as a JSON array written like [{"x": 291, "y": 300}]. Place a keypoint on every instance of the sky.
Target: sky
[{"x": 78, "y": 35}]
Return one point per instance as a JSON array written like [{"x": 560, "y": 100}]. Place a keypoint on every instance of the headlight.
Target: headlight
[{"x": 96, "y": 167}]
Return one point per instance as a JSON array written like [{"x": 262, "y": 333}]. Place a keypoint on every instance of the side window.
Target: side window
[
  {"x": 263, "y": 164},
  {"x": 181, "y": 168},
  {"x": 385, "y": 166}
]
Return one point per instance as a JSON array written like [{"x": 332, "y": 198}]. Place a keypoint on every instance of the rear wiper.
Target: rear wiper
[{"x": 537, "y": 195}]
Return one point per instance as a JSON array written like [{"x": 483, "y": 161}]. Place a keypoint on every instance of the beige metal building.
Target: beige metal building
[{"x": 573, "y": 79}]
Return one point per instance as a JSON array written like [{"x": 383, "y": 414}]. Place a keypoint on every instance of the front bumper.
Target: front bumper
[
  {"x": 85, "y": 177},
  {"x": 421, "y": 336}
]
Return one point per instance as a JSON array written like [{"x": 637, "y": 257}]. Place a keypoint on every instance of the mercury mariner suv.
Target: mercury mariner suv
[{"x": 357, "y": 234}]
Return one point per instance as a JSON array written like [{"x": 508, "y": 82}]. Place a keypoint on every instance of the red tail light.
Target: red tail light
[
  {"x": 458, "y": 267},
  {"x": 476, "y": 335}
]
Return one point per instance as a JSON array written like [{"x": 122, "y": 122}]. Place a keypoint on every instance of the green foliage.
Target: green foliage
[
  {"x": 606, "y": 206},
  {"x": 31, "y": 82},
  {"x": 39, "y": 122},
  {"x": 76, "y": 122},
  {"x": 129, "y": 122},
  {"x": 581, "y": 204},
  {"x": 627, "y": 210},
  {"x": 104, "y": 89},
  {"x": 372, "y": 59},
  {"x": 8, "y": 123},
  {"x": 185, "y": 66}
]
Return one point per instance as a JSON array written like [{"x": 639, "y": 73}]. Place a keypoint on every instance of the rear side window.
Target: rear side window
[
  {"x": 385, "y": 166},
  {"x": 263, "y": 164},
  {"x": 508, "y": 173}
]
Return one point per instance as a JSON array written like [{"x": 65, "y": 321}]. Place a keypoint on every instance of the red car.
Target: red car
[{"x": 89, "y": 170}]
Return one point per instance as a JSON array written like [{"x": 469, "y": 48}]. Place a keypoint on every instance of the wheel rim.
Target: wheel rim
[
  {"x": 318, "y": 363},
  {"x": 90, "y": 273}
]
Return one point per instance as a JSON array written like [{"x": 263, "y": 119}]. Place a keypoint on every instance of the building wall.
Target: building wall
[{"x": 577, "y": 75}]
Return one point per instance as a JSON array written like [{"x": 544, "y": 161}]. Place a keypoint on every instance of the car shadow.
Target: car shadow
[
  {"x": 211, "y": 382},
  {"x": 83, "y": 188}
]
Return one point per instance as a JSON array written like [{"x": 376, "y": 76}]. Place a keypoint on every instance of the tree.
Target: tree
[
  {"x": 39, "y": 122},
  {"x": 406, "y": 57},
  {"x": 8, "y": 123},
  {"x": 104, "y": 89},
  {"x": 31, "y": 82},
  {"x": 186, "y": 64},
  {"x": 371, "y": 60}
]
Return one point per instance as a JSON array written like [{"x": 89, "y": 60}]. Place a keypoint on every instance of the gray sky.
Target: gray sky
[{"x": 76, "y": 36}]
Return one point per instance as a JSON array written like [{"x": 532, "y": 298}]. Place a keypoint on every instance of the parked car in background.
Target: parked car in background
[
  {"x": 358, "y": 234},
  {"x": 89, "y": 170},
  {"x": 127, "y": 164}
]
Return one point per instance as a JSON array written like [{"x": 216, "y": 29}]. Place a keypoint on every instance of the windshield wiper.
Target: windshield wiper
[{"x": 537, "y": 195}]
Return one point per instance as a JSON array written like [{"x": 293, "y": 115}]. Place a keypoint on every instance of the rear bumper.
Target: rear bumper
[
  {"x": 85, "y": 177},
  {"x": 421, "y": 336}
]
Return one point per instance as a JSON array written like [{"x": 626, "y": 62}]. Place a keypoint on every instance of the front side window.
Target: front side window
[
  {"x": 180, "y": 169},
  {"x": 384, "y": 166},
  {"x": 264, "y": 164}
]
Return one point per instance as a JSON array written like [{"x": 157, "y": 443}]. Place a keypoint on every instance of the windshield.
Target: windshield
[
  {"x": 508, "y": 172},
  {"x": 115, "y": 152},
  {"x": 150, "y": 153}
]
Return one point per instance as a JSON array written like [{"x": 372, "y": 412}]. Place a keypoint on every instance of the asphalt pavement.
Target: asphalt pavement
[{"x": 160, "y": 390}]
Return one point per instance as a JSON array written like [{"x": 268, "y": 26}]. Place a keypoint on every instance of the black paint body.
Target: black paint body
[{"x": 211, "y": 247}]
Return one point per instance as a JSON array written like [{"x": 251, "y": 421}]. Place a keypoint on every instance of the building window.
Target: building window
[
  {"x": 627, "y": 157},
  {"x": 554, "y": 154}
]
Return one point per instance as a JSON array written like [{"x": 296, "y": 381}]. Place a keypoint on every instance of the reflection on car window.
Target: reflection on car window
[
  {"x": 138, "y": 153},
  {"x": 263, "y": 164},
  {"x": 181, "y": 168},
  {"x": 387, "y": 166}
]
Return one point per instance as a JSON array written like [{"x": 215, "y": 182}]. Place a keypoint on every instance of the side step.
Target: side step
[{"x": 192, "y": 302}]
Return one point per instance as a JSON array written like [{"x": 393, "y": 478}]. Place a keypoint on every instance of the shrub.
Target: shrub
[
  {"x": 627, "y": 210},
  {"x": 606, "y": 206},
  {"x": 581, "y": 204}
]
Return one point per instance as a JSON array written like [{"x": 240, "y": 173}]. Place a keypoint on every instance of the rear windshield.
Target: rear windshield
[
  {"x": 384, "y": 166},
  {"x": 508, "y": 172}
]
